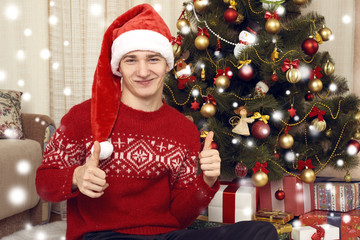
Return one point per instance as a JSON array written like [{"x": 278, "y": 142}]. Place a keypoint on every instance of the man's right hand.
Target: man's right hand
[{"x": 89, "y": 178}]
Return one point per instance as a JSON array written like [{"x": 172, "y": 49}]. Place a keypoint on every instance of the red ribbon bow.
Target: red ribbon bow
[
  {"x": 303, "y": 164},
  {"x": 316, "y": 72},
  {"x": 177, "y": 40},
  {"x": 287, "y": 64},
  {"x": 269, "y": 15},
  {"x": 320, "y": 233},
  {"x": 315, "y": 111},
  {"x": 209, "y": 98},
  {"x": 227, "y": 72},
  {"x": 259, "y": 166},
  {"x": 203, "y": 31}
]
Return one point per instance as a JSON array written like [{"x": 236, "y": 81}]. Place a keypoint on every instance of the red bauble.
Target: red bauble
[
  {"x": 246, "y": 72},
  {"x": 275, "y": 156},
  {"x": 230, "y": 15},
  {"x": 274, "y": 77},
  {"x": 280, "y": 194},
  {"x": 214, "y": 145},
  {"x": 241, "y": 170},
  {"x": 260, "y": 130},
  {"x": 310, "y": 46},
  {"x": 353, "y": 147},
  {"x": 309, "y": 96}
]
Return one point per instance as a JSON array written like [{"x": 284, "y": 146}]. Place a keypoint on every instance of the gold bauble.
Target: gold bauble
[
  {"x": 328, "y": 68},
  {"x": 357, "y": 135},
  {"x": 208, "y": 110},
  {"x": 201, "y": 42},
  {"x": 307, "y": 175},
  {"x": 176, "y": 50},
  {"x": 293, "y": 75},
  {"x": 182, "y": 22},
  {"x": 226, "y": 1},
  {"x": 300, "y": 2},
  {"x": 272, "y": 25},
  {"x": 318, "y": 125},
  {"x": 315, "y": 85},
  {"x": 259, "y": 179},
  {"x": 325, "y": 33},
  {"x": 222, "y": 81},
  {"x": 347, "y": 177},
  {"x": 286, "y": 141},
  {"x": 357, "y": 116},
  {"x": 201, "y": 5}
]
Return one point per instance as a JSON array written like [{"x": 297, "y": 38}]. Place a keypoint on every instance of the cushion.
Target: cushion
[{"x": 10, "y": 121}]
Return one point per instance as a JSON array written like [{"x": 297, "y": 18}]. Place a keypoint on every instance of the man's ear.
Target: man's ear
[{"x": 167, "y": 68}]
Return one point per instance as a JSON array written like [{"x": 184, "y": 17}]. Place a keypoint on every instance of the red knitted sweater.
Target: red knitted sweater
[{"x": 153, "y": 187}]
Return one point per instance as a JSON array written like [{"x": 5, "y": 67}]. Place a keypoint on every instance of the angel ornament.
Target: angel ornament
[{"x": 241, "y": 124}]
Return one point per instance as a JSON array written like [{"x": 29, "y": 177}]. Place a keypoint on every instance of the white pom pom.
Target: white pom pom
[{"x": 106, "y": 150}]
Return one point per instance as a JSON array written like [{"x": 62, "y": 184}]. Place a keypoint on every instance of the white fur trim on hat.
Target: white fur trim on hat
[{"x": 141, "y": 39}]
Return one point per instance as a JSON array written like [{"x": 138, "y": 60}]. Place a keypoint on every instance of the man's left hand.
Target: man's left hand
[{"x": 210, "y": 161}]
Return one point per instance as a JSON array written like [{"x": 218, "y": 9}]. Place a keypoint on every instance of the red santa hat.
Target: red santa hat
[{"x": 140, "y": 28}]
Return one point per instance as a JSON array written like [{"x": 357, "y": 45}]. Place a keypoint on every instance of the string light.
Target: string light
[
  {"x": 45, "y": 54},
  {"x": 55, "y": 65},
  {"x": 17, "y": 196},
  {"x": 27, "y": 32},
  {"x": 53, "y": 20},
  {"x": 67, "y": 91},
  {"x": 189, "y": 7},
  {"x": 333, "y": 87},
  {"x": 277, "y": 115},
  {"x": 23, "y": 167},
  {"x": 12, "y": 12},
  {"x": 235, "y": 104},
  {"x": 21, "y": 83},
  {"x": 289, "y": 156},
  {"x": 195, "y": 92},
  {"x": 340, "y": 162}
]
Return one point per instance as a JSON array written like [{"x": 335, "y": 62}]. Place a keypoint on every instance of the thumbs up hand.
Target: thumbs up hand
[
  {"x": 89, "y": 178},
  {"x": 210, "y": 161}
]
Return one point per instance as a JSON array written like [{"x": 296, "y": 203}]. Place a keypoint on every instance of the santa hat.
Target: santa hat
[{"x": 140, "y": 28}]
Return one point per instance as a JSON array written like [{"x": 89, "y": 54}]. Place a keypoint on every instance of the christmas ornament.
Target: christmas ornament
[
  {"x": 271, "y": 4},
  {"x": 318, "y": 125},
  {"x": 328, "y": 68},
  {"x": 202, "y": 39},
  {"x": 287, "y": 64},
  {"x": 300, "y": 2},
  {"x": 176, "y": 45},
  {"x": 230, "y": 14},
  {"x": 286, "y": 141},
  {"x": 202, "y": 74},
  {"x": 293, "y": 75},
  {"x": 310, "y": 46},
  {"x": 218, "y": 47},
  {"x": 274, "y": 77},
  {"x": 309, "y": 96},
  {"x": 195, "y": 105},
  {"x": 357, "y": 134},
  {"x": 315, "y": 85},
  {"x": 201, "y": 5},
  {"x": 260, "y": 177},
  {"x": 241, "y": 126},
  {"x": 272, "y": 24},
  {"x": 261, "y": 88},
  {"x": 214, "y": 145},
  {"x": 353, "y": 147},
  {"x": 183, "y": 71},
  {"x": 316, "y": 73},
  {"x": 208, "y": 109},
  {"x": 181, "y": 23},
  {"x": 307, "y": 176},
  {"x": 347, "y": 177},
  {"x": 280, "y": 194},
  {"x": 240, "y": 18},
  {"x": 260, "y": 130},
  {"x": 292, "y": 111},
  {"x": 246, "y": 72},
  {"x": 226, "y": 1},
  {"x": 222, "y": 79},
  {"x": 357, "y": 116},
  {"x": 328, "y": 133},
  {"x": 275, "y": 156},
  {"x": 325, "y": 33},
  {"x": 246, "y": 38},
  {"x": 241, "y": 170}
]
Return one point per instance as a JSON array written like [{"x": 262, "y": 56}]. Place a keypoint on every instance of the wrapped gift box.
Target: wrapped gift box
[
  {"x": 348, "y": 223},
  {"x": 273, "y": 216},
  {"x": 299, "y": 196},
  {"x": 336, "y": 196},
  {"x": 233, "y": 202},
  {"x": 306, "y": 233}
]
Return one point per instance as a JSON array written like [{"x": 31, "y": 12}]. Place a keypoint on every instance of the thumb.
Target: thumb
[
  {"x": 208, "y": 140},
  {"x": 94, "y": 159}
]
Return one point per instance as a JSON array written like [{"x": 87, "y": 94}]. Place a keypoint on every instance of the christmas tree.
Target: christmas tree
[{"x": 253, "y": 72}]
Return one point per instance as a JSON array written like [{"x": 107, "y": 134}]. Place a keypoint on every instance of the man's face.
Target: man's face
[{"x": 143, "y": 75}]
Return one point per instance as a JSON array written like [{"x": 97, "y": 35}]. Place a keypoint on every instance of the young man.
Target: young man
[{"x": 140, "y": 182}]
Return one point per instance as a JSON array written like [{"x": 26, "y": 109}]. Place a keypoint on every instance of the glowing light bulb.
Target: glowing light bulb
[
  {"x": 328, "y": 186},
  {"x": 45, "y": 54},
  {"x": 17, "y": 196},
  {"x": 23, "y": 167},
  {"x": 185, "y": 30},
  {"x": 220, "y": 90},
  {"x": 235, "y": 141},
  {"x": 235, "y": 104},
  {"x": 20, "y": 55},
  {"x": 333, "y": 87},
  {"x": 189, "y": 7},
  {"x": 52, "y": 3},
  {"x": 340, "y": 162},
  {"x": 27, "y": 32},
  {"x": 53, "y": 20},
  {"x": 26, "y": 97},
  {"x": 296, "y": 223},
  {"x": 96, "y": 10},
  {"x": 157, "y": 7},
  {"x": 66, "y": 43},
  {"x": 280, "y": 10},
  {"x": 249, "y": 143},
  {"x": 12, "y": 12},
  {"x": 195, "y": 92},
  {"x": 352, "y": 150},
  {"x": 346, "y": 218},
  {"x": 346, "y": 19},
  {"x": 55, "y": 65},
  {"x": 287, "y": 92},
  {"x": 290, "y": 156},
  {"x": 277, "y": 115},
  {"x": 67, "y": 91},
  {"x": 21, "y": 83}
]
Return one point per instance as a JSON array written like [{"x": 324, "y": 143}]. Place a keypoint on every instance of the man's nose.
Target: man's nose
[{"x": 143, "y": 69}]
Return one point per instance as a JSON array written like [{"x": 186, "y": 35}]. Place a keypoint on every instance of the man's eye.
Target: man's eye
[
  {"x": 154, "y": 59},
  {"x": 129, "y": 60}
]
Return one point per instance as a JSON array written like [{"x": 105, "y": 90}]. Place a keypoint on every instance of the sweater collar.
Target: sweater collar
[{"x": 125, "y": 110}]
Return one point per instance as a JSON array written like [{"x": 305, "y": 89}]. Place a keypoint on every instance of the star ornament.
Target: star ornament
[
  {"x": 195, "y": 105},
  {"x": 292, "y": 111}
]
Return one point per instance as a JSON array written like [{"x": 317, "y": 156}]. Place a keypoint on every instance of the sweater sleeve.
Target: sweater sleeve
[
  {"x": 190, "y": 195},
  {"x": 62, "y": 155}
]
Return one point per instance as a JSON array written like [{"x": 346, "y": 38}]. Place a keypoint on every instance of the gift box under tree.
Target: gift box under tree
[
  {"x": 348, "y": 222},
  {"x": 299, "y": 196},
  {"x": 233, "y": 202},
  {"x": 321, "y": 232}
]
